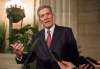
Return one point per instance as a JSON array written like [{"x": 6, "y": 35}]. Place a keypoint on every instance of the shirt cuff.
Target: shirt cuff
[{"x": 19, "y": 58}]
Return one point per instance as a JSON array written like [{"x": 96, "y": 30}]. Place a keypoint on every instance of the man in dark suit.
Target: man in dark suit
[{"x": 55, "y": 46}]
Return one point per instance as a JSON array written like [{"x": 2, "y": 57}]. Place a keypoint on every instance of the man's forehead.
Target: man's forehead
[{"x": 44, "y": 10}]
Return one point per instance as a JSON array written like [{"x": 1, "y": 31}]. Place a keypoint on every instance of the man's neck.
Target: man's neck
[{"x": 50, "y": 28}]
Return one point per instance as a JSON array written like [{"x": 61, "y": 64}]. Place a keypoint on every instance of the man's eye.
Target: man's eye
[
  {"x": 48, "y": 13},
  {"x": 42, "y": 16}
]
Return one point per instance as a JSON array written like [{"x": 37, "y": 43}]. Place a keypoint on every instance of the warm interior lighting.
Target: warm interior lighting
[
  {"x": 10, "y": 3},
  {"x": 29, "y": 7}
]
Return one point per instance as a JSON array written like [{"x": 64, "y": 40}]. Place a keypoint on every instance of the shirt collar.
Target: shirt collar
[{"x": 51, "y": 31}]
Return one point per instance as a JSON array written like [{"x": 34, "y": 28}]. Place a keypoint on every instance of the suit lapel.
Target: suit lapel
[
  {"x": 54, "y": 38},
  {"x": 43, "y": 39}
]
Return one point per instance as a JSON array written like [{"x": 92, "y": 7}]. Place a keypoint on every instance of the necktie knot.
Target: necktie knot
[{"x": 48, "y": 32}]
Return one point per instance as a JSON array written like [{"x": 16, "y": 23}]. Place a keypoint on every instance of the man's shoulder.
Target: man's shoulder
[
  {"x": 63, "y": 27},
  {"x": 40, "y": 32}
]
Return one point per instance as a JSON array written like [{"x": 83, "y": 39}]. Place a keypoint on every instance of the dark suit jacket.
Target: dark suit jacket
[{"x": 63, "y": 47}]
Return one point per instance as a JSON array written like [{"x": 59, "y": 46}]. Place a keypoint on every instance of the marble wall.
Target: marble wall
[{"x": 88, "y": 27}]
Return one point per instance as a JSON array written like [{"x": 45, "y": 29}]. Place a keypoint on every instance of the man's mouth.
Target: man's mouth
[{"x": 47, "y": 21}]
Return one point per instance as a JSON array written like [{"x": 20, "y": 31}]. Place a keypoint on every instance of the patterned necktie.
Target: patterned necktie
[{"x": 49, "y": 39}]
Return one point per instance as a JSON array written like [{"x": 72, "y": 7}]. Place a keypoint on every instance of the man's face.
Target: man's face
[{"x": 46, "y": 17}]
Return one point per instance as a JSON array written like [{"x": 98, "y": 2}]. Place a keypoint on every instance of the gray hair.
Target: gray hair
[{"x": 42, "y": 7}]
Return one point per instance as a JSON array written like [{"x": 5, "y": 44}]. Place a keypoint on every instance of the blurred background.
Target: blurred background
[{"x": 20, "y": 17}]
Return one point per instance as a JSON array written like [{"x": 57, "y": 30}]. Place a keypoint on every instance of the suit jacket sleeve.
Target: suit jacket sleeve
[{"x": 72, "y": 50}]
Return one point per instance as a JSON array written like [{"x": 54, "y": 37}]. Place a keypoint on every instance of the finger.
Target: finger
[
  {"x": 60, "y": 63},
  {"x": 16, "y": 43},
  {"x": 86, "y": 66},
  {"x": 92, "y": 67},
  {"x": 98, "y": 61},
  {"x": 65, "y": 62},
  {"x": 18, "y": 46},
  {"x": 81, "y": 66},
  {"x": 13, "y": 45}
]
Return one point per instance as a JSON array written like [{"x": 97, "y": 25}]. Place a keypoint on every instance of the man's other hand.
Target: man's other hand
[
  {"x": 17, "y": 48},
  {"x": 86, "y": 66},
  {"x": 65, "y": 65}
]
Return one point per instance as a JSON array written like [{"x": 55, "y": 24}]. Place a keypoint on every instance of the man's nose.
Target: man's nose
[{"x": 45, "y": 17}]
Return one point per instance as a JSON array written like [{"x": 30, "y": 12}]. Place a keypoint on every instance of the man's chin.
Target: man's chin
[{"x": 48, "y": 27}]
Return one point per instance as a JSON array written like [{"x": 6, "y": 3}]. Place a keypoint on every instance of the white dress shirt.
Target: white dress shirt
[{"x": 51, "y": 31}]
